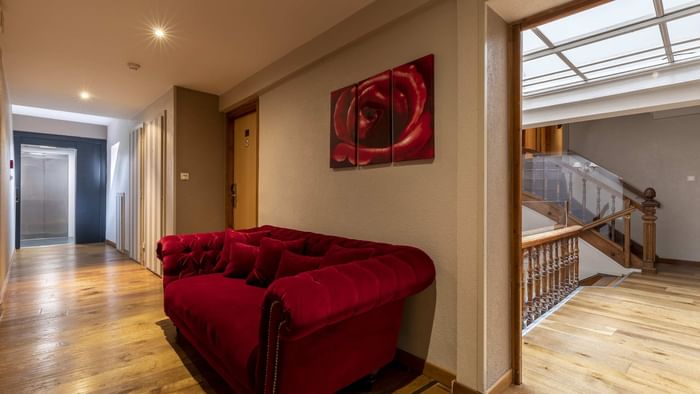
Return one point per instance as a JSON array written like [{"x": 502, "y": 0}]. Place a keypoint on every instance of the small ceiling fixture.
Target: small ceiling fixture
[
  {"x": 85, "y": 95},
  {"x": 159, "y": 33},
  {"x": 133, "y": 66}
]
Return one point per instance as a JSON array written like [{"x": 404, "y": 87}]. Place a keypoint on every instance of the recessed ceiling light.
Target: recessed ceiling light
[
  {"x": 85, "y": 95},
  {"x": 159, "y": 32}
]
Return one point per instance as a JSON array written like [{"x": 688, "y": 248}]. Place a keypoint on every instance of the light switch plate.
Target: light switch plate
[
  {"x": 690, "y": 178},
  {"x": 184, "y": 176}
]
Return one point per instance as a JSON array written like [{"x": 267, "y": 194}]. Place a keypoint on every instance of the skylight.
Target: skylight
[
  {"x": 61, "y": 115},
  {"x": 615, "y": 40}
]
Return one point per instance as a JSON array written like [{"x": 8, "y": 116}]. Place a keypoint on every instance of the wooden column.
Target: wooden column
[{"x": 649, "y": 219}]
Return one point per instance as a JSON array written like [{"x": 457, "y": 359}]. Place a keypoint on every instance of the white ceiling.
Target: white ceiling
[{"x": 53, "y": 49}]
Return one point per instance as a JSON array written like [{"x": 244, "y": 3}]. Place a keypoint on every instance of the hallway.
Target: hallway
[{"x": 84, "y": 318}]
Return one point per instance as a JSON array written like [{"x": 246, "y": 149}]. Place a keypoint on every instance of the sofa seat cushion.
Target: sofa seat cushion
[{"x": 223, "y": 315}]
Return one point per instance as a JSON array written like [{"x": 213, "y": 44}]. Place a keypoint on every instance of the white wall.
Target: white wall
[
  {"x": 60, "y": 127},
  {"x": 117, "y": 171},
  {"x": 653, "y": 152},
  {"x": 7, "y": 186}
]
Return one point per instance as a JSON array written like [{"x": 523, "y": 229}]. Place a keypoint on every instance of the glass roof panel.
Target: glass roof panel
[
  {"x": 627, "y": 68},
  {"x": 597, "y": 19},
  {"x": 568, "y": 81},
  {"x": 684, "y": 28},
  {"x": 672, "y": 5},
  {"x": 543, "y": 65},
  {"x": 624, "y": 44},
  {"x": 688, "y": 46},
  {"x": 549, "y": 77},
  {"x": 660, "y": 52},
  {"x": 531, "y": 42}
]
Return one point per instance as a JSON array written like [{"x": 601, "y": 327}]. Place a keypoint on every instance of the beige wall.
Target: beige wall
[
  {"x": 201, "y": 151},
  {"x": 498, "y": 191},
  {"x": 60, "y": 127},
  {"x": 7, "y": 186},
  {"x": 413, "y": 203},
  {"x": 658, "y": 152}
]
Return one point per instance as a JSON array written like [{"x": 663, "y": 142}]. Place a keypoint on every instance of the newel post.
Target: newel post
[{"x": 649, "y": 218}]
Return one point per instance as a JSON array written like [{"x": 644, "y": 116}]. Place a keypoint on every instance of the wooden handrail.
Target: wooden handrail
[
  {"x": 637, "y": 192},
  {"x": 609, "y": 218},
  {"x": 550, "y": 236}
]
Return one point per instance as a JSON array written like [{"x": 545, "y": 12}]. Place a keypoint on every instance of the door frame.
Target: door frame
[
  {"x": 515, "y": 71},
  {"x": 84, "y": 148},
  {"x": 246, "y": 108}
]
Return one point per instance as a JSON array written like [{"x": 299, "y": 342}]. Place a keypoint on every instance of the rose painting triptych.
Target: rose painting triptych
[{"x": 386, "y": 118}]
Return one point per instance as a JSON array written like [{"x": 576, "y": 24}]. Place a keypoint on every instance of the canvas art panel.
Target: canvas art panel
[
  {"x": 412, "y": 110},
  {"x": 374, "y": 120},
  {"x": 344, "y": 127}
]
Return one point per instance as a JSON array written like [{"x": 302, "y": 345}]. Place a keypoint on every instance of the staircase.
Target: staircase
[
  {"x": 586, "y": 202},
  {"x": 572, "y": 190}
]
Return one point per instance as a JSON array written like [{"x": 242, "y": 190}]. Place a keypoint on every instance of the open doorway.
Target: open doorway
[
  {"x": 47, "y": 195},
  {"x": 601, "y": 112}
]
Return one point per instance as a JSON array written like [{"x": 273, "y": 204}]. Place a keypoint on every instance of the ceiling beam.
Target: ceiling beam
[
  {"x": 663, "y": 29},
  {"x": 561, "y": 56}
]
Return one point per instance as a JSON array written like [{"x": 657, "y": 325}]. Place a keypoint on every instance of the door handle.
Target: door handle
[{"x": 234, "y": 195}]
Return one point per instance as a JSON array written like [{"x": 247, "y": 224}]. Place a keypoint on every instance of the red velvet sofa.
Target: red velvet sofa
[{"x": 316, "y": 332}]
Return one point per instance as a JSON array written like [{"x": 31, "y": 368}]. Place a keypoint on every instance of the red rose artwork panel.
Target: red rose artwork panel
[
  {"x": 412, "y": 110},
  {"x": 344, "y": 127},
  {"x": 374, "y": 120}
]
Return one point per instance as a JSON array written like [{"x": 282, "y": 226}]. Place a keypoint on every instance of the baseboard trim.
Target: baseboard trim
[
  {"x": 5, "y": 283},
  {"x": 502, "y": 383},
  {"x": 111, "y": 243},
  {"x": 676, "y": 261},
  {"x": 459, "y": 388},
  {"x": 419, "y": 365}
]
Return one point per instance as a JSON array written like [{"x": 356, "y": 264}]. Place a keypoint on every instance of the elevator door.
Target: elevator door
[{"x": 47, "y": 196}]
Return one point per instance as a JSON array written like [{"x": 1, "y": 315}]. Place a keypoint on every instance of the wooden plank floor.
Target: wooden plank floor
[
  {"x": 640, "y": 337},
  {"x": 86, "y": 319}
]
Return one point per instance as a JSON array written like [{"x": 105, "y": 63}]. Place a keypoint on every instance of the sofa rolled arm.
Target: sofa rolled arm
[
  {"x": 188, "y": 254},
  {"x": 313, "y": 300}
]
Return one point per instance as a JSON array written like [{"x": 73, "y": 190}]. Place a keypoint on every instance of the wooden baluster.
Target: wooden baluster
[
  {"x": 537, "y": 299},
  {"x": 552, "y": 262},
  {"x": 547, "y": 276},
  {"x": 649, "y": 207},
  {"x": 575, "y": 263},
  {"x": 557, "y": 272},
  {"x": 564, "y": 266},
  {"x": 628, "y": 234},
  {"x": 524, "y": 285},
  {"x": 532, "y": 255}
]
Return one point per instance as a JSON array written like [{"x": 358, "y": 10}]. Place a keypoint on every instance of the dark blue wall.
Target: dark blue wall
[{"x": 91, "y": 182}]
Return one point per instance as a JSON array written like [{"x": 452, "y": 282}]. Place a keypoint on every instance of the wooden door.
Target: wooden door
[{"x": 243, "y": 184}]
